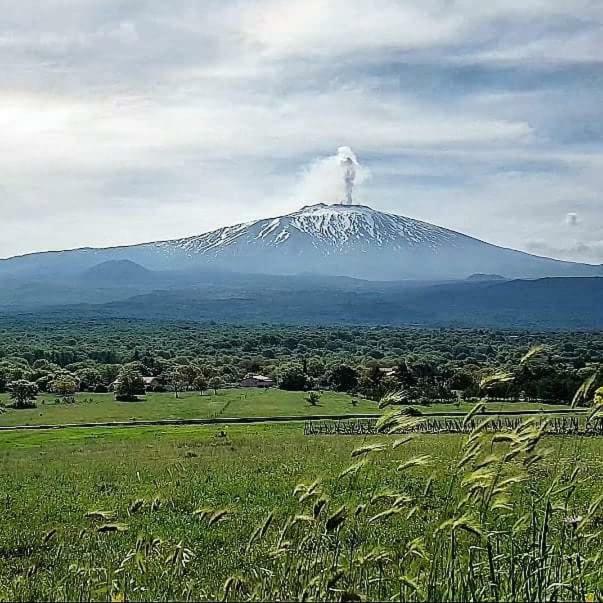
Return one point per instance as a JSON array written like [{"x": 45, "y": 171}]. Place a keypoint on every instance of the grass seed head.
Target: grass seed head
[{"x": 337, "y": 519}]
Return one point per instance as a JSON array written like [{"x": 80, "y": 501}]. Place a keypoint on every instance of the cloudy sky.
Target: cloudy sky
[{"x": 128, "y": 121}]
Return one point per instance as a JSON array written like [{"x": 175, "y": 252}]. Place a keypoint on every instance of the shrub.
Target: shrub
[
  {"x": 313, "y": 398},
  {"x": 344, "y": 378},
  {"x": 23, "y": 393},
  {"x": 293, "y": 379},
  {"x": 129, "y": 385}
]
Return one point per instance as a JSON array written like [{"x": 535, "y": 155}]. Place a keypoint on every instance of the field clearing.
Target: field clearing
[
  {"x": 50, "y": 480},
  {"x": 90, "y": 407},
  {"x": 189, "y": 405}
]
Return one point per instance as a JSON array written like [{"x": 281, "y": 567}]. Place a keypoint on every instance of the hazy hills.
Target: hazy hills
[{"x": 550, "y": 303}]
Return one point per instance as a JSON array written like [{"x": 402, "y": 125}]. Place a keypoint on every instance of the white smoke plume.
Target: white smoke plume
[{"x": 332, "y": 179}]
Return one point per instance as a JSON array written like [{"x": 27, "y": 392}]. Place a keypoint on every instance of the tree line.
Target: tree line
[{"x": 423, "y": 364}]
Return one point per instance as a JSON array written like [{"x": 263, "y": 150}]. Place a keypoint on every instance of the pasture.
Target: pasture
[
  {"x": 90, "y": 407},
  {"x": 148, "y": 514},
  {"x": 189, "y": 405}
]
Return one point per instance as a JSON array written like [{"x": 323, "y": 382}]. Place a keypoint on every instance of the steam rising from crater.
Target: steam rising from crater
[
  {"x": 333, "y": 179},
  {"x": 348, "y": 163}
]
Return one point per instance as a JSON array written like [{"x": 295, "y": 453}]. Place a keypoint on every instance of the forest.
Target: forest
[{"x": 423, "y": 365}]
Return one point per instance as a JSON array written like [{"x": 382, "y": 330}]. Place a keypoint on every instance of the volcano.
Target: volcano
[{"x": 344, "y": 240}]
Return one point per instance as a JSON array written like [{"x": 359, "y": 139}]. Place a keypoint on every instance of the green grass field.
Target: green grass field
[
  {"x": 189, "y": 405},
  {"x": 227, "y": 403},
  {"x": 50, "y": 550}
]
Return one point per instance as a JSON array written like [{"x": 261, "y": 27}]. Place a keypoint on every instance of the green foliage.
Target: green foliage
[
  {"x": 438, "y": 517},
  {"x": 200, "y": 383},
  {"x": 89, "y": 378},
  {"x": 177, "y": 379},
  {"x": 63, "y": 385},
  {"x": 129, "y": 385},
  {"x": 23, "y": 393},
  {"x": 483, "y": 516},
  {"x": 313, "y": 398},
  {"x": 216, "y": 383},
  {"x": 343, "y": 378},
  {"x": 428, "y": 364},
  {"x": 293, "y": 378}
]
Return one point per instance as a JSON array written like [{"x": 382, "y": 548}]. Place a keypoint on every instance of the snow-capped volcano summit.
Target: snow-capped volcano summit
[
  {"x": 358, "y": 241},
  {"x": 325, "y": 228},
  {"x": 344, "y": 240}
]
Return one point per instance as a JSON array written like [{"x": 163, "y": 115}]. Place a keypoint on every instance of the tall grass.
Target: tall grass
[
  {"x": 507, "y": 531},
  {"x": 506, "y": 521}
]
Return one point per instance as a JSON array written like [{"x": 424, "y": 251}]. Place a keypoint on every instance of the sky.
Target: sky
[{"x": 131, "y": 121}]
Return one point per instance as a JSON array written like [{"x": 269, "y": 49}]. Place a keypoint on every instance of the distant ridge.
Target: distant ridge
[
  {"x": 485, "y": 277},
  {"x": 549, "y": 304},
  {"x": 117, "y": 272}
]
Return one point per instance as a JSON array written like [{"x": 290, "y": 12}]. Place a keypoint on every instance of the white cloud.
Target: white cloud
[
  {"x": 52, "y": 131},
  {"x": 135, "y": 121},
  {"x": 335, "y": 27}
]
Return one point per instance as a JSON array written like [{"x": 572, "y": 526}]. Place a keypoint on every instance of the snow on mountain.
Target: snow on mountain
[
  {"x": 358, "y": 241},
  {"x": 329, "y": 228},
  {"x": 344, "y": 240}
]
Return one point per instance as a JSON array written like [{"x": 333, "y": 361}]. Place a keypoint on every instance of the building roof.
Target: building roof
[
  {"x": 146, "y": 380},
  {"x": 258, "y": 377}
]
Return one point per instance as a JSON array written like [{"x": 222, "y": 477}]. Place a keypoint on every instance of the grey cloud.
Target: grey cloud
[
  {"x": 588, "y": 252},
  {"x": 173, "y": 116}
]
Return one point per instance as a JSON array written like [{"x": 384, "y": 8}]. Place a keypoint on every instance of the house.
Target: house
[
  {"x": 149, "y": 383},
  {"x": 256, "y": 381},
  {"x": 387, "y": 371}
]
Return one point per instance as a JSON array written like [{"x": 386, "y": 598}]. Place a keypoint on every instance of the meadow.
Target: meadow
[
  {"x": 501, "y": 509},
  {"x": 148, "y": 514},
  {"x": 90, "y": 407}
]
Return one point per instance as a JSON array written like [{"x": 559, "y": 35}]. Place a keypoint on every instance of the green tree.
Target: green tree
[
  {"x": 462, "y": 380},
  {"x": 343, "y": 378},
  {"x": 177, "y": 380},
  {"x": 129, "y": 385},
  {"x": 200, "y": 384},
  {"x": 23, "y": 393},
  {"x": 64, "y": 385},
  {"x": 109, "y": 372},
  {"x": 293, "y": 379},
  {"x": 216, "y": 383},
  {"x": 3, "y": 380},
  {"x": 89, "y": 378},
  {"x": 316, "y": 367},
  {"x": 313, "y": 398}
]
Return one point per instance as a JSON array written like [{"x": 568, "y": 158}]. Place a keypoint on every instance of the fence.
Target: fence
[{"x": 564, "y": 425}]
